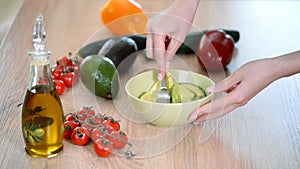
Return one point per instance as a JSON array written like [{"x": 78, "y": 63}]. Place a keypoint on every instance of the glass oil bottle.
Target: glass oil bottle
[{"x": 42, "y": 112}]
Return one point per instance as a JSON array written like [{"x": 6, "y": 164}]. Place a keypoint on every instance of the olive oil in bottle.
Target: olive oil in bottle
[{"x": 42, "y": 113}]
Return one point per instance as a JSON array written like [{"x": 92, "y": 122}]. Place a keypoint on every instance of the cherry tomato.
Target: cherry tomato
[
  {"x": 70, "y": 117},
  {"x": 103, "y": 148},
  {"x": 82, "y": 117},
  {"x": 65, "y": 61},
  {"x": 56, "y": 74},
  {"x": 111, "y": 124},
  {"x": 215, "y": 50},
  {"x": 57, "y": 67},
  {"x": 89, "y": 128},
  {"x": 80, "y": 136},
  {"x": 68, "y": 78},
  {"x": 69, "y": 128},
  {"x": 87, "y": 111},
  {"x": 59, "y": 86},
  {"x": 97, "y": 120},
  {"x": 96, "y": 134},
  {"x": 119, "y": 139}
]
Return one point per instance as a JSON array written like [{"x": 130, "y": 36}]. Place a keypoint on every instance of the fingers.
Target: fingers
[
  {"x": 149, "y": 44},
  {"x": 160, "y": 54},
  {"x": 172, "y": 48},
  {"x": 161, "y": 48},
  {"x": 215, "y": 114},
  {"x": 226, "y": 85},
  {"x": 223, "y": 105}
]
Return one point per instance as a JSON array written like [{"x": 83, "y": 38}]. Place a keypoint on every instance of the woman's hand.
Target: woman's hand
[
  {"x": 167, "y": 31},
  {"x": 240, "y": 87}
]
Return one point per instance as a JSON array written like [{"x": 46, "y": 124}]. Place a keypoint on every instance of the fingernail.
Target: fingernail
[
  {"x": 160, "y": 77},
  {"x": 193, "y": 116},
  {"x": 197, "y": 122}
]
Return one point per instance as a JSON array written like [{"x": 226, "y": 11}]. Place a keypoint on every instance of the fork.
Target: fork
[{"x": 163, "y": 95}]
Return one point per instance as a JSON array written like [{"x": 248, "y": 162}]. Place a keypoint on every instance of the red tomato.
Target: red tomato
[
  {"x": 89, "y": 128},
  {"x": 97, "y": 120},
  {"x": 82, "y": 117},
  {"x": 65, "y": 61},
  {"x": 103, "y": 148},
  {"x": 96, "y": 134},
  {"x": 69, "y": 128},
  {"x": 111, "y": 124},
  {"x": 57, "y": 67},
  {"x": 70, "y": 117},
  {"x": 87, "y": 111},
  {"x": 215, "y": 50},
  {"x": 80, "y": 136},
  {"x": 59, "y": 86},
  {"x": 56, "y": 73},
  {"x": 119, "y": 139},
  {"x": 68, "y": 78}
]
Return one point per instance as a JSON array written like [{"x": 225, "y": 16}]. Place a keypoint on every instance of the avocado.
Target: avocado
[
  {"x": 180, "y": 91},
  {"x": 100, "y": 76},
  {"x": 122, "y": 51},
  {"x": 185, "y": 92},
  {"x": 93, "y": 48}
]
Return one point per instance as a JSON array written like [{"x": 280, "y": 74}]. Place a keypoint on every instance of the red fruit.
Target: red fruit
[
  {"x": 119, "y": 139},
  {"x": 87, "y": 111},
  {"x": 70, "y": 117},
  {"x": 89, "y": 128},
  {"x": 96, "y": 134},
  {"x": 103, "y": 148},
  {"x": 215, "y": 50},
  {"x": 64, "y": 61},
  {"x": 111, "y": 124},
  {"x": 56, "y": 73},
  {"x": 69, "y": 128},
  {"x": 80, "y": 136},
  {"x": 68, "y": 78},
  {"x": 59, "y": 86}
]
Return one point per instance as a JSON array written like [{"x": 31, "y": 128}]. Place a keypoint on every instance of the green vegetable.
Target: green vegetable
[
  {"x": 185, "y": 92},
  {"x": 122, "y": 51},
  {"x": 100, "y": 76},
  {"x": 189, "y": 45}
]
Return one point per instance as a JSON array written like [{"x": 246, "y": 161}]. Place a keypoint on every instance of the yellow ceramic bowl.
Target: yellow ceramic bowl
[{"x": 165, "y": 114}]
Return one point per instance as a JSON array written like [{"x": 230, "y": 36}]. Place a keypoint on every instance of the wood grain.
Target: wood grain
[{"x": 263, "y": 134}]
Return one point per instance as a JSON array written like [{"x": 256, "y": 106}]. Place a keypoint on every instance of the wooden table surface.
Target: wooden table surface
[{"x": 264, "y": 134}]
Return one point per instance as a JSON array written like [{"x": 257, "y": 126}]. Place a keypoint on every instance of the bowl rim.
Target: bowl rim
[{"x": 179, "y": 70}]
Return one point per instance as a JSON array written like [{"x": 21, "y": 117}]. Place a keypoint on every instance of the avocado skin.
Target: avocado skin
[
  {"x": 99, "y": 75},
  {"x": 93, "y": 48},
  {"x": 122, "y": 51}
]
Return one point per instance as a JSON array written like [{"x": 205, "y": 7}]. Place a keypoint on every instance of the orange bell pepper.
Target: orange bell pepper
[{"x": 124, "y": 17}]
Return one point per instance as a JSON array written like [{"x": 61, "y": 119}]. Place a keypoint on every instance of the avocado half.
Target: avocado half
[{"x": 100, "y": 76}]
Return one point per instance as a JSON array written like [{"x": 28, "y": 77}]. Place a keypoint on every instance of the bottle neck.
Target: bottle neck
[{"x": 40, "y": 72}]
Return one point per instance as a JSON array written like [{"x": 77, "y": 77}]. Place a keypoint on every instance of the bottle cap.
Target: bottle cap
[{"x": 39, "y": 38}]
